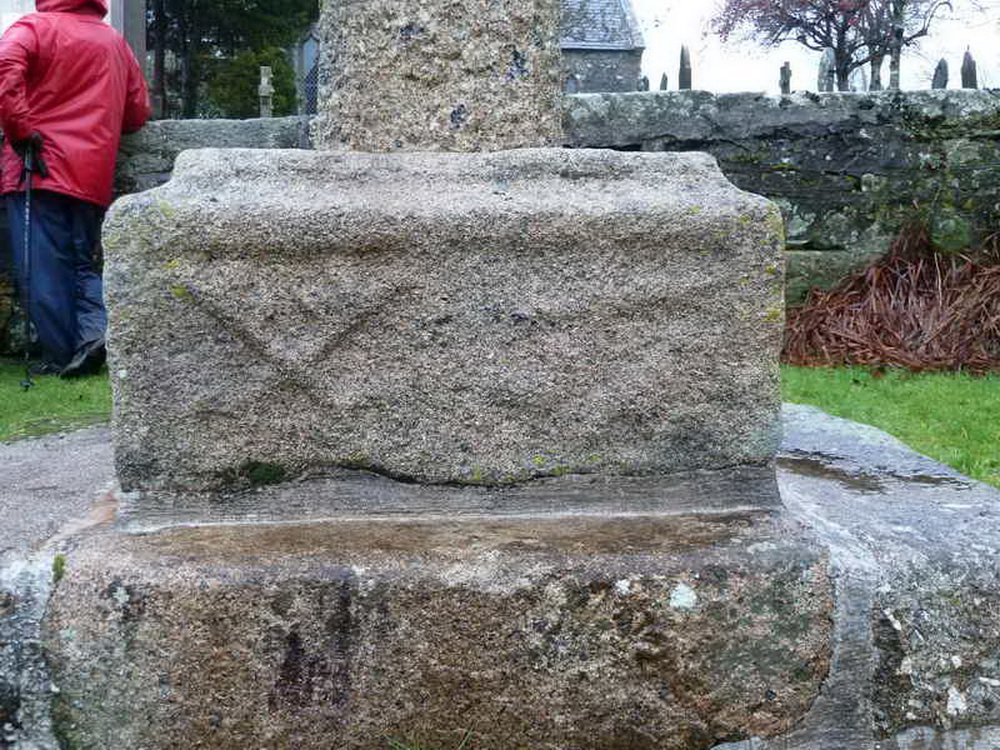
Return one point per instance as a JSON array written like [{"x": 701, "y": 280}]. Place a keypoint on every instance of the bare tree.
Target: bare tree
[
  {"x": 890, "y": 25},
  {"x": 858, "y": 31}
]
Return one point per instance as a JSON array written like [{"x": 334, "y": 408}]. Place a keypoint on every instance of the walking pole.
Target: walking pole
[{"x": 29, "y": 166}]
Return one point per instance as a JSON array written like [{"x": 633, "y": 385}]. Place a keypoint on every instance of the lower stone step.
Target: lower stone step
[{"x": 639, "y": 631}]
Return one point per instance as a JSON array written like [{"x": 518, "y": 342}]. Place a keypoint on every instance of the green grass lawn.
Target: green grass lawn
[
  {"x": 954, "y": 418},
  {"x": 52, "y": 405}
]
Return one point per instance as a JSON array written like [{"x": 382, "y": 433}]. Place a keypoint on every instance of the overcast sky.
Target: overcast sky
[{"x": 667, "y": 24}]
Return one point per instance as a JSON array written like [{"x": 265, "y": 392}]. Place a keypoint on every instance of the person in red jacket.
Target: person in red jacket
[{"x": 69, "y": 87}]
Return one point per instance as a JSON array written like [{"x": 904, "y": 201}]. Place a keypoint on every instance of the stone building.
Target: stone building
[
  {"x": 602, "y": 46},
  {"x": 305, "y": 61}
]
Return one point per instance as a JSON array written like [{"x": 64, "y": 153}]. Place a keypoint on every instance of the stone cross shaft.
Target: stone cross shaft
[{"x": 439, "y": 75}]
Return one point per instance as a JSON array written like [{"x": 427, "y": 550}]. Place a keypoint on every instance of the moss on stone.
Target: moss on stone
[
  {"x": 181, "y": 293},
  {"x": 58, "y": 568}
]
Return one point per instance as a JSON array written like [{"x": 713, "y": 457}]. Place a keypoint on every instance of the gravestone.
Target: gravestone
[
  {"x": 940, "y": 80},
  {"x": 664, "y": 82},
  {"x": 265, "y": 92},
  {"x": 970, "y": 78},
  {"x": 827, "y": 71},
  {"x": 129, "y": 17},
  {"x": 684, "y": 75},
  {"x": 785, "y": 80}
]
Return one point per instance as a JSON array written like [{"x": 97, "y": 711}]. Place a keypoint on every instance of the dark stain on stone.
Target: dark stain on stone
[
  {"x": 459, "y": 116},
  {"x": 7, "y": 604},
  {"x": 340, "y": 628},
  {"x": 10, "y": 704},
  {"x": 813, "y": 467},
  {"x": 860, "y": 481},
  {"x": 518, "y": 67},
  {"x": 410, "y": 32},
  {"x": 936, "y": 481},
  {"x": 294, "y": 683},
  {"x": 281, "y": 604},
  {"x": 132, "y": 606},
  {"x": 890, "y": 684},
  {"x": 316, "y": 665}
]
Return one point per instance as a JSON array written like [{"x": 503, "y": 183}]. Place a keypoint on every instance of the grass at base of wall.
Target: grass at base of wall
[
  {"x": 951, "y": 417},
  {"x": 52, "y": 405}
]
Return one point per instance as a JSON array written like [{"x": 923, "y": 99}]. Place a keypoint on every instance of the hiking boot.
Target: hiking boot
[
  {"x": 45, "y": 368},
  {"x": 87, "y": 360}
]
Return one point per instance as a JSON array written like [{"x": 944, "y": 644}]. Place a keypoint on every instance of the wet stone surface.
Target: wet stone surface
[
  {"x": 908, "y": 546},
  {"x": 915, "y": 552},
  {"x": 646, "y": 632}
]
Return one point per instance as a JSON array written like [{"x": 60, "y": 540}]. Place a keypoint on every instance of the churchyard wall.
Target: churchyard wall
[{"x": 848, "y": 170}]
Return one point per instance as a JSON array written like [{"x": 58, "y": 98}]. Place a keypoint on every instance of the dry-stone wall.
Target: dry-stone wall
[{"x": 847, "y": 170}]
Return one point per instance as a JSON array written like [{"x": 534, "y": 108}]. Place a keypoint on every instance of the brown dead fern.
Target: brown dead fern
[{"x": 913, "y": 308}]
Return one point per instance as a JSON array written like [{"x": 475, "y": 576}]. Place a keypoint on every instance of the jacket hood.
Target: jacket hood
[{"x": 88, "y": 7}]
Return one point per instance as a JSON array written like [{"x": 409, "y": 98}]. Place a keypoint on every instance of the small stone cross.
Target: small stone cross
[{"x": 266, "y": 92}]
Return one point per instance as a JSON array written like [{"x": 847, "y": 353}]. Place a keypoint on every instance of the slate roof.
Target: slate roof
[{"x": 600, "y": 25}]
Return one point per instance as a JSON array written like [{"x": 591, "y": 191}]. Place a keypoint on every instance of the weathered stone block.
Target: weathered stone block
[
  {"x": 146, "y": 158},
  {"x": 542, "y": 632},
  {"x": 450, "y": 75},
  {"x": 442, "y": 318}
]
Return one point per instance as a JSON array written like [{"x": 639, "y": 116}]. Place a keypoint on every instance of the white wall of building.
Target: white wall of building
[{"x": 11, "y": 10}]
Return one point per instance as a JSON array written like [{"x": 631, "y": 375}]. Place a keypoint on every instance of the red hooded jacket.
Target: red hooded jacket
[{"x": 74, "y": 79}]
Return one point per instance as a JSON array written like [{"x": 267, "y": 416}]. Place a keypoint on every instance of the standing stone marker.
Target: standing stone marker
[
  {"x": 940, "y": 80},
  {"x": 786, "y": 78},
  {"x": 684, "y": 76},
  {"x": 970, "y": 78},
  {"x": 827, "y": 71},
  {"x": 664, "y": 82},
  {"x": 442, "y": 75}
]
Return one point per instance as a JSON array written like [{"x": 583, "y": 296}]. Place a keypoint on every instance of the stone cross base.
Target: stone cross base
[
  {"x": 573, "y": 632},
  {"x": 442, "y": 318}
]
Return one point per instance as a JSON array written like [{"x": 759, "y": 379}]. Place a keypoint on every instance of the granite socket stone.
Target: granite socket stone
[
  {"x": 448, "y": 75},
  {"x": 673, "y": 633},
  {"x": 442, "y": 318}
]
